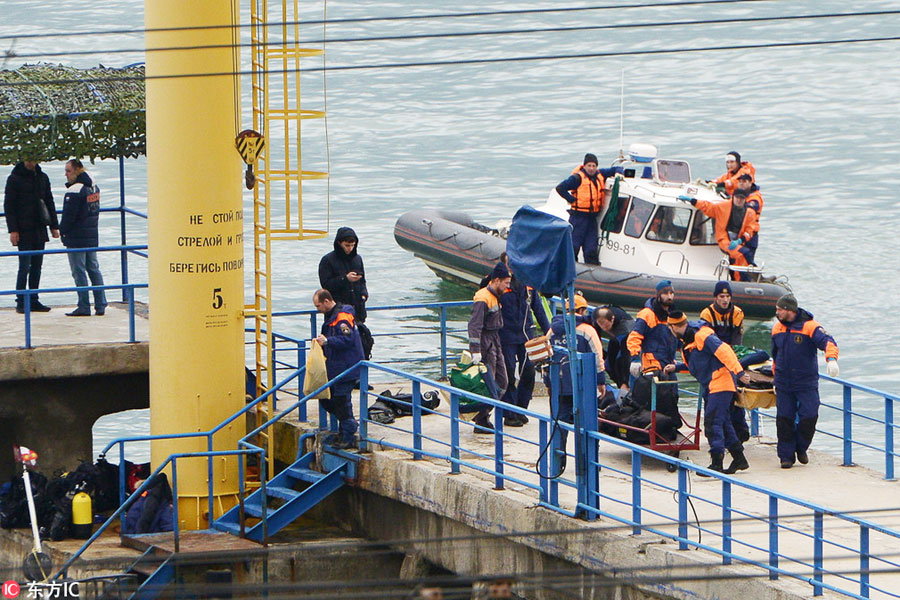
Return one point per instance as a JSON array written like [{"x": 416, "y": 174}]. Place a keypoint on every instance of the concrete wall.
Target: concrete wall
[
  {"x": 421, "y": 507},
  {"x": 50, "y": 398}
]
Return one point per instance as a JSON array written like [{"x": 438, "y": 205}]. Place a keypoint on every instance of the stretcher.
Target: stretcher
[
  {"x": 760, "y": 392},
  {"x": 656, "y": 439}
]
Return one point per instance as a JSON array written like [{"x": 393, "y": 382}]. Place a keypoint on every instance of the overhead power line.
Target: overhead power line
[
  {"x": 384, "y": 38},
  {"x": 474, "y": 61},
  {"x": 523, "y": 11}
]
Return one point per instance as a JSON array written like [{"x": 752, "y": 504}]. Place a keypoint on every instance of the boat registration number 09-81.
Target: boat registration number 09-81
[{"x": 625, "y": 248}]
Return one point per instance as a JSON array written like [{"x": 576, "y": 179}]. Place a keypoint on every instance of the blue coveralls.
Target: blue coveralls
[
  {"x": 729, "y": 327},
  {"x": 342, "y": 351},
  {"x": 714, "y": 365},
  {"x": 517, "y": 304},
  {"x": 796, "y": 368}
]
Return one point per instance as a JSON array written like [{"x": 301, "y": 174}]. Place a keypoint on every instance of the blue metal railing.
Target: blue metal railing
[
  {"x": 853, "y": 418},
  {"x": 127, "y": 288},
  {"x": 874, "y": 428},
  {"x": 443, "y": 330},
  {"x": 673, "y": 524},
  {"x": 787, "y": 519}
]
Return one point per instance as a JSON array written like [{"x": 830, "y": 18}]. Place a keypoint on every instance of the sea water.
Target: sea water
[{"x": 819, "y": 122}]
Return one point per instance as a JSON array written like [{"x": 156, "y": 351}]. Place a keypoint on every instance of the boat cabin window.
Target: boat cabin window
[
  {"x": 673, "y": 171},
  {"x": 638, "y": 217},
  {"x": 619, "y": 219},
  {"x": 669, "y": 224},
  {"x": 703, "y": 233}
]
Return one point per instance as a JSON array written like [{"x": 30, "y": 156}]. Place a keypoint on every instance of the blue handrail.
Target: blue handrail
[
  {"x": 851, "y": 415},
  {"x": 784, "y": 510},
  {"x": 588, "y": 479}
]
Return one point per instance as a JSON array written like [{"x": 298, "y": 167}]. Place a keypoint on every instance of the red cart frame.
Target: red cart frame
[{"x": 689, "y": 441}]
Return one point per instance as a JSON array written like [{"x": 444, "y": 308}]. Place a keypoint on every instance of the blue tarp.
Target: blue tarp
[{"x": 540, "y": 250}]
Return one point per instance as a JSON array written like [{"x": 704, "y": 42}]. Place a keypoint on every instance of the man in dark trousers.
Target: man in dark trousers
[
  {"x": 340, "y": 342},
  {"x": 80, "y": 217},
  {"x": 585, "y": 191},
  {"x": 341, "y": 272},
  {"x": 727, "y": 321},
  {"x": 28, "y": 204},
  {"x": 795, "y": 338},
  {"x": 518, "y": 302},
  {"x": 715, "y": 366},
  {"x": 484, "y": 327}
]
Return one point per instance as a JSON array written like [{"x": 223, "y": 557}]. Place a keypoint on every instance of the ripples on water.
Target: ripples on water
[{"x": 819, "y": 124}]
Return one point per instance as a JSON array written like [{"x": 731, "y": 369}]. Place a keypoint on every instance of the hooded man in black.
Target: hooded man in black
[
  {"x": 341, "y": 272},
  {"x": 28, "y": 204}
]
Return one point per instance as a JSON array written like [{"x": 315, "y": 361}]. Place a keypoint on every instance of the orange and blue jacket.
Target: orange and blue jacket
[
  {"x": 344, "y": 346},
  {"x": 651, "y": 338},
  {"x": 729, "y": 179},
  {"x": 721, "y": 212},
  {"x": 755, "y": 200},
  {"x": 584, "y": 193},
  {"x": 711, "y": 361},
  {"x": 486, "y": 320},
  {"x": 794, "y": 346},
  {"x": 728, "y": 325}
]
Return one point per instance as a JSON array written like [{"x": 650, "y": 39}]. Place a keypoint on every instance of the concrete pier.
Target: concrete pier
[
  {"x": 460, "y": 522},
  {"x": 421, "y": 500},
  {"x": 79, "y": 369}
]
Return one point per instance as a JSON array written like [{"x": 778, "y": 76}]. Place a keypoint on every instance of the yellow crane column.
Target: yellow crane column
[{"x": 195, "y": 240}]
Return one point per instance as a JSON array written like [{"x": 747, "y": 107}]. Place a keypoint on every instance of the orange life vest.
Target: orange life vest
[{"x": 589, "y": 197}]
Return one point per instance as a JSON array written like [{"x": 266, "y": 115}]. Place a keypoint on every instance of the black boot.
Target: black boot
[
  {"x": 483, "y": 422},
  {"x": 738, "y": 461},
  {"x": 715, "y": 464}
]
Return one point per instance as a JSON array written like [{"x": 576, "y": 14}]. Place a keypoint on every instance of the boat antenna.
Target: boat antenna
[{"x": 622, "y": 118}]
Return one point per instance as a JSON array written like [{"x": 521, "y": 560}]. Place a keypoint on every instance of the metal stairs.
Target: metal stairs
[
  {"x": 284, "y": 504},
  {"x": 155, "y": 580}
]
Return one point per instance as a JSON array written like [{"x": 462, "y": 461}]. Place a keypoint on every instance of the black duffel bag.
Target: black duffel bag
[{"x": 401, "y": 404}]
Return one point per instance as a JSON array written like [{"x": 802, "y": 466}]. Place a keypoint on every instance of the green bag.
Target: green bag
[{"x": 469, "y": 378}]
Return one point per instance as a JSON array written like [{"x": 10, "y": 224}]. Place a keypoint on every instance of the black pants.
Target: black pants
[{"x": 29, "y": 269}]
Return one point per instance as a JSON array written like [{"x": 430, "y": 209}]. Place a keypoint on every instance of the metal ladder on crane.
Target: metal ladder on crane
[{"x": 277, "y": 115}]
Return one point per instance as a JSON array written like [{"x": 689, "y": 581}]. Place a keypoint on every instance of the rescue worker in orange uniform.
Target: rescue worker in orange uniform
[
  {"x": 754, "y": 197},
  {"x": 737, "y": 228},
  {"x": 585, "y": 191},
  {"x": 795, "y": 338},
  {"x": 651, "y": 344},
  {"x": 714, "y": 364},
  {"x": 727, "y": 321},
  {"x": 484, "y": 328},
  {"x": 734, "y": 169}
]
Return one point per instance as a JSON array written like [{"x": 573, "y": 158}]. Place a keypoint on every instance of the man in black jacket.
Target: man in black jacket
[
  {"x": 28, "y": 204},
  {"x": 616, "y": 324},
  {"x": 341, "y": 272}
]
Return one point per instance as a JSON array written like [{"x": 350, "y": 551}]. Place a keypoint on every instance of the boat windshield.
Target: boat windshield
[
  {"x": 673, "y": 171},
  {"x": 703, "y": 232},
  {"x": 638, "y": 217},
  {"x": 669, "y": 224}
]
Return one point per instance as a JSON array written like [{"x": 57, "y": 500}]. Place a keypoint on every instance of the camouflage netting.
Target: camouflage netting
[{"x": 61, "y": 112}]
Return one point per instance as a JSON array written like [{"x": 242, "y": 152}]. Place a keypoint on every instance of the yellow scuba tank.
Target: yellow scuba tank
[{"x": 82, "y": 516}]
